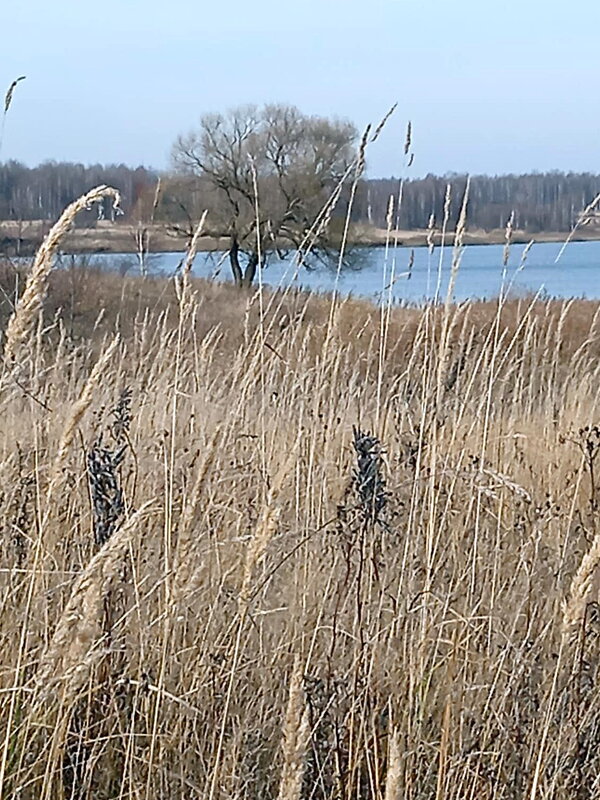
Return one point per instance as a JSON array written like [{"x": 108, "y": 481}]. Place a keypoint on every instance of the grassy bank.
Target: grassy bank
[{"x": 277, "y": 545}]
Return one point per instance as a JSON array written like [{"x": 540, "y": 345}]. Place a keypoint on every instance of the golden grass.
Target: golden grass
[{"x": 405, "y": 508}]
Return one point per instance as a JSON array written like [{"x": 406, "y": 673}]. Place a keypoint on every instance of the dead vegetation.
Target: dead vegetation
[{"x": 260, "y": 545}]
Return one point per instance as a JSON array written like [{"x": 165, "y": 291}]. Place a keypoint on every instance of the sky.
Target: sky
[{"x": 490, "y": 87}]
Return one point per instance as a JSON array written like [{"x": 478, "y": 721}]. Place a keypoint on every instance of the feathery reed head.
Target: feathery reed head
[
  {"x": 10, "y": 92},
  {"x": 296, "y": 735},
  {"x": 23, "y": 318}
]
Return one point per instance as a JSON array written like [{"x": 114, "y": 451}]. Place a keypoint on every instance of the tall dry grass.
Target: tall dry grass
[{"x": 361, "y": 563}]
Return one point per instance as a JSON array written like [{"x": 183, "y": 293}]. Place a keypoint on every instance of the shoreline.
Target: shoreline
[{"x": 24, "y": 238}]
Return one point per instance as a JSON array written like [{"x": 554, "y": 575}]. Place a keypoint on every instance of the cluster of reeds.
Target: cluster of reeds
[{"x": 355, "y": 555}]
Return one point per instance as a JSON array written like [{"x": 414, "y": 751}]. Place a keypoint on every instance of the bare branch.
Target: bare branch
[{"x": 292, "y": 160}]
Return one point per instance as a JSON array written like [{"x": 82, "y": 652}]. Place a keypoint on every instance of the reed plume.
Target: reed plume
[
  {"x": 257, "y": 547},
  {"x": 23, "y": 318},
  {"x": 186, "y": 541},
  {"x": 73, "y": 650},
  {"x": 7, "y": 103},
  {"x": 79, "y": 409},
  {"x": 392, "y": 778},
  {"x": 296, "y": 736},
  {"x": 10, "y": 92},
  {"x": 383, "y": 123},
  {"x": 583, "y": 589},
  {"x": 265, "y": 529}
]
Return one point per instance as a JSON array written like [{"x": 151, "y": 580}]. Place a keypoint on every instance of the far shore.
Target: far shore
[{"x": 104, "y": 237}]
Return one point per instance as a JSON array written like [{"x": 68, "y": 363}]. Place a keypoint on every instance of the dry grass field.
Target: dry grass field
[{"x": 266, "y": 545}]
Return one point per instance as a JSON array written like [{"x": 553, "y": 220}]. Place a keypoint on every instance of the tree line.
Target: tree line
[
  {"x": 42, "y": 192},
  {"x": 548, "y": 201}
]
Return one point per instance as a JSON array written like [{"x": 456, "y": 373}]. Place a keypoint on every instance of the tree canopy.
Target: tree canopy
[{"x": 266, "y": 175}]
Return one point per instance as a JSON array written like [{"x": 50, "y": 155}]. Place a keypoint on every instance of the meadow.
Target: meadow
[{"x": 269, "y": 545}]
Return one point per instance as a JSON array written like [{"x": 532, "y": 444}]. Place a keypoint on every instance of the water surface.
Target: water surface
[{"x": 481, "y": 274}]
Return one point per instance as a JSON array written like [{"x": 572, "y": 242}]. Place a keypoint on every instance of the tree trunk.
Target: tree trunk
[
  {"x": 234, "y": 260},
  {"x": 250, "y": 272}
]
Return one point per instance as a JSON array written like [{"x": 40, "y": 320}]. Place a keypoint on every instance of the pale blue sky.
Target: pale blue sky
[{"x": 489, "y": 86}]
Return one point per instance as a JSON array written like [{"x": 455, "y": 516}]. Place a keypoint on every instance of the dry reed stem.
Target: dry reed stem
[
  {"x": 189, "y": 261},
  {"x": 156, "y": 199},
  {"x": 457, "y": 252},
  {"x": 583, "y": 217},
  {"x": 186, "y": 542},
  {"x": 296, "y": 737},
  {"x": 444, "y": 228},
  {"x": 23, "y": 318},
  {"x": 394, "y": 763},
  {"x": 72, "y": 651}
]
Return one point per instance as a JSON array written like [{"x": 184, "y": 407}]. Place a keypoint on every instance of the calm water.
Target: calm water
[{"x": 577, "y": 274}]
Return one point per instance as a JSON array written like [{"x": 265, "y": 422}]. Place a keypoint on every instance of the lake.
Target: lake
[{"x": 480, "y": 276}]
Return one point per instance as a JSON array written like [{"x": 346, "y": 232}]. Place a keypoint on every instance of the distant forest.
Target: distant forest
[
  {"x": 42, "y": 192},
  {"x": 547, "y": 201}
]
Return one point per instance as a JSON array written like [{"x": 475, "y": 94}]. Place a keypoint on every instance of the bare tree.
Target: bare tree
[{"x": 266, "y": 174}]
